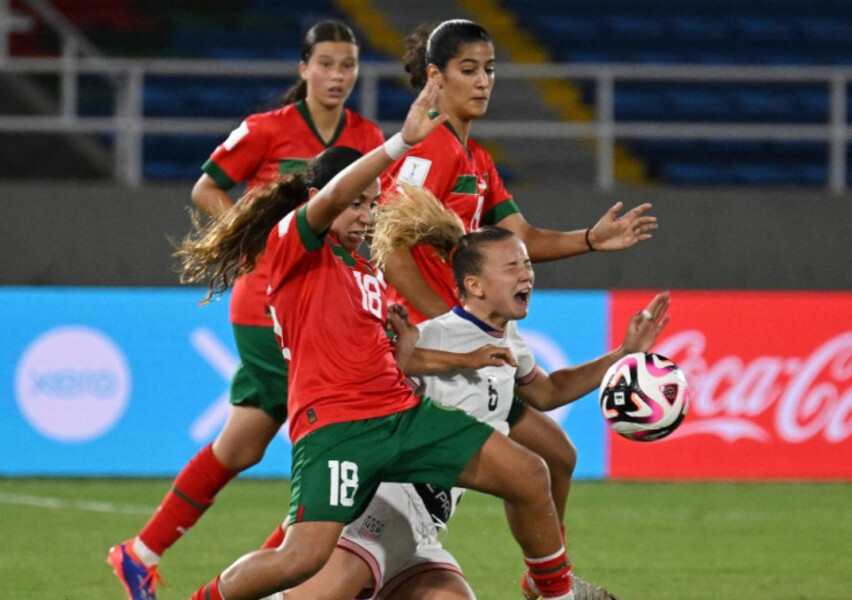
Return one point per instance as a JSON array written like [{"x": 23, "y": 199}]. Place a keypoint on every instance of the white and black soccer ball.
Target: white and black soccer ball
[{"x": 644, "y": 396}]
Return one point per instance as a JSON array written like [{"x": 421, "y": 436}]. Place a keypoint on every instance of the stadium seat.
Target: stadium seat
[{"x": 722, "y": 32}]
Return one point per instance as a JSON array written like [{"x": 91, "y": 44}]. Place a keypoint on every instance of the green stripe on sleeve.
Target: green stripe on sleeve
[
  {"x": 501, "y": 211},
  {"x": 218, "y": 175},
  {"x": 311, "y": 240}
]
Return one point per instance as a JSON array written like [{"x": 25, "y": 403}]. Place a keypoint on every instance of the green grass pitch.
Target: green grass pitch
[{"x": 645, "y": 541}]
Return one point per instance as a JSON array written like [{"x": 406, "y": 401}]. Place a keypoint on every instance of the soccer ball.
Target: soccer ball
[{"x": 644, "y": 396}]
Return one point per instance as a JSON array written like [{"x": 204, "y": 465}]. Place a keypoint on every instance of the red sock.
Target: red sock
[
  {"x": 551, "y": 574},
  {"x": 275, "y": 538},
  {"x": 208, "y": 592},
  {"x": 192, "y": 493}
]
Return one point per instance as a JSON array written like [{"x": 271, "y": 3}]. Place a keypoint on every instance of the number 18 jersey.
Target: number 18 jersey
[{"x": 329, "y": 308}]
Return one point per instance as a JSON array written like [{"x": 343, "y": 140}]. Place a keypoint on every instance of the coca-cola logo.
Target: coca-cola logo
[{"x": 793, "y": 399}]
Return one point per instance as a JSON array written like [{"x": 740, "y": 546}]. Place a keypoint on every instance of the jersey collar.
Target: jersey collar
[
  {"x": 448, "y": 125},
  {"x": 485, "y": 327},
  {"x": 302, "y": 107}
]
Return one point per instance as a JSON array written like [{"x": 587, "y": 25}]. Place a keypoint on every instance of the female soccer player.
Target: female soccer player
[
  {"x": 458, "y": 56},
  {"x": 354, "y": 421},
  {"x": 262, "y": 148},
  {"x": 393, "y": 551}
]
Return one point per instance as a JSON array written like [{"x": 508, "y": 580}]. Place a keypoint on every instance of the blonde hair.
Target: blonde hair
[{"x": 414, "y": 216}]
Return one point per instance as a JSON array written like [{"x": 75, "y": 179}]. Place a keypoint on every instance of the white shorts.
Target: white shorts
[{"x": 397, "y": 538}]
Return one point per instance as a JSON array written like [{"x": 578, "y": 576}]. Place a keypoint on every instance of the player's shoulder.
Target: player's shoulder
[
  {"x": 273, "y": 116},
  {"x": 449, "y": 321},
  {"x": 512, "y": 331},
  {"x": 356, "y": 118},
  {"x": 477, "y": 151}
]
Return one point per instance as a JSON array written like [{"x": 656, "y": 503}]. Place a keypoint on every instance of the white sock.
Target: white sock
[{"x": 148, "y": 557}]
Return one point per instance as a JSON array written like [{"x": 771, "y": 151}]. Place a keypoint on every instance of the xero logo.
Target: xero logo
[{"x": 72, "y": 384}]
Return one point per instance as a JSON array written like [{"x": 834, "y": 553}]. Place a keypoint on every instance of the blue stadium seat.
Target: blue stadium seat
[{"x": 721, "y": 32}]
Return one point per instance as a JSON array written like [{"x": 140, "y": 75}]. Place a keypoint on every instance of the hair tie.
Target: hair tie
[{"x": 452, "y": 253}]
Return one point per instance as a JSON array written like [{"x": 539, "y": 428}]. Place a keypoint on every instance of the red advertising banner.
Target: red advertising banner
[{"x": 770, "y": 377}]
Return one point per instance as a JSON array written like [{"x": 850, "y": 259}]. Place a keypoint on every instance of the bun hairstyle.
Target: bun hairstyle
[
  {"x": 437, "y": 45},
  {"x": 330, "y": 30}
]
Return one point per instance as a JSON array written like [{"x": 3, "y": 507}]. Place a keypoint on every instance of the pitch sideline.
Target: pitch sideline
[{"x": 60, "y": 503}]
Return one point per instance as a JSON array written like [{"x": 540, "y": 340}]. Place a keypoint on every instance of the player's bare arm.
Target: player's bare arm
[
  {"x": 209, "y": 198},
  {"x": 333, "y": 198},
  {"x": 402, "y": 273},
  {"x": 611, "y": 232},
  {"x": 564, "y": 386},
  {"x": 428, "y": 361}
]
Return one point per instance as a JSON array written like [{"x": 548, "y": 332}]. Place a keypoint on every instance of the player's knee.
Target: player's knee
[
  {"x": 249, "y": 458},
  {"x": 238, "y": 458},
  {"x": 536, "y": 477},
  {"x": 564, "y": 459},
  {"x": 301, "y": 564}
]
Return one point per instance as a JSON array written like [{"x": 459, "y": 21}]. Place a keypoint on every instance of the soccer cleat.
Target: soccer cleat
[
  {"x": 583, "y": 590},
  {"x": 528, "y": 590},
  {"x": 138, "y": 580}
]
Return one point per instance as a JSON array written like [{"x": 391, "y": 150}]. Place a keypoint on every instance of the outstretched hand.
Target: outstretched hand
[
  {"x": 646, "y": 325},
  {"x": 418, "y": 123},
  {"x": 612, "y": 232}
]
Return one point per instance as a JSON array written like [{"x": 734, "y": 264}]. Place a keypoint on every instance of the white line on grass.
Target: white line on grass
[{"x": 46, "y": 502}]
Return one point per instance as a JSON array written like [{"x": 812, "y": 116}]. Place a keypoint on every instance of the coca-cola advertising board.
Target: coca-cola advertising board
[{"x": 770, "y": 377}]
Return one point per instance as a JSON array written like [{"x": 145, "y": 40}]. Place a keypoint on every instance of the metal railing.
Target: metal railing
[{"x": 129, "y": 125}]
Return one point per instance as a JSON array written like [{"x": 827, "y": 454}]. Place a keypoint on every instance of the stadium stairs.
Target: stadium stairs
[{"x": 722, "y": 32}]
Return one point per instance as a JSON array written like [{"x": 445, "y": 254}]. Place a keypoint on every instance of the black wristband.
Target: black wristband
[{"x": 588, "y": 241}]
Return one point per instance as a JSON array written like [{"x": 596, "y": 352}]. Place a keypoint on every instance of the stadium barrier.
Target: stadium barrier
[{"x": 127, "y": 80}]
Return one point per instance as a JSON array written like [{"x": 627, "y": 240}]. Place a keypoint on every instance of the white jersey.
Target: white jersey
[
  {"x": 486, "y": 393},
  {"x": 397, "y": 535}
]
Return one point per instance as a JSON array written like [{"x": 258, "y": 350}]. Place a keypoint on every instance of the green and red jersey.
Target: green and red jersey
[
  {"x": 464, "y": 179},
  {"x": 329, "y": 305},
  {"x": 263, "y": 147}
]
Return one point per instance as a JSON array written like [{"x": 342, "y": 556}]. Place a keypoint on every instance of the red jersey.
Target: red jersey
[
  {"x": 263, "y": 147},
  {"x": 464, "y": 179},
  {"x": 328, "y": 304}
]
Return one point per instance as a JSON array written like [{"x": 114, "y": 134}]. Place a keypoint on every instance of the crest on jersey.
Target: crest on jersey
[
  {"x": 371, "y": 529},
  {"x": 414, "y": 171}
]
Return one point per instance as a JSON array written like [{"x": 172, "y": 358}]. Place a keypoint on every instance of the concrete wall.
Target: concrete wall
[{"x": 104, "y": 235}]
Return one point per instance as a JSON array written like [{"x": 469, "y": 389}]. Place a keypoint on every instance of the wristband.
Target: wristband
[
  {"x": 395, "y": 146},
  {"x": 588, "y": 241}
]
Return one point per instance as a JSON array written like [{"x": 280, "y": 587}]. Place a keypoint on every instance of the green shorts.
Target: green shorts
[
  {"x": 515, "y": 411},
  {"x": 337, "y": 468},
  {"x": 261, "y": 377}
]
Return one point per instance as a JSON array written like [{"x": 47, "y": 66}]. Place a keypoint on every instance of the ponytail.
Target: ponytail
[
  {"x": 438, "y": 45},
  {"x": 413, "y": 216},
  {"x": 222, "y": 249}
]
